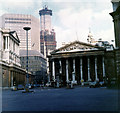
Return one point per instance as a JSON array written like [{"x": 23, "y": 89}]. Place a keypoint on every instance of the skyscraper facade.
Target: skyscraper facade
[
  {"x": 16, "y": 22},
  {"x": 47, "y": 34}
]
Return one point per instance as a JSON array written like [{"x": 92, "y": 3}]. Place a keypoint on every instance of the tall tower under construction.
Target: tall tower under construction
[{"x": 47, "y": 35}]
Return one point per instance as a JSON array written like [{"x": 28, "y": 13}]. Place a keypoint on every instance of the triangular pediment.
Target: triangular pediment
[
  {"x": 77, "y": 46},
  {"x": 15, "y": 35}
]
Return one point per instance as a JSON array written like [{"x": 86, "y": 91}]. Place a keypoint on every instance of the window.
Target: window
[
  {"x": 14, "y": 46},
  {"x": 7, "y": 42},
  {"x": 13, "y": 22},
  {"x": 4, "y": 42}
]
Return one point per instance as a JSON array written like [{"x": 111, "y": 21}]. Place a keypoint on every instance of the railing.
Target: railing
[
  {"x": 10, "y": 57},
  {"x": 5, "y": 55}
]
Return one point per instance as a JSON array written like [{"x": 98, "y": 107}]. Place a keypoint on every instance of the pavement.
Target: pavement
[{"x": 61, "y": 99}]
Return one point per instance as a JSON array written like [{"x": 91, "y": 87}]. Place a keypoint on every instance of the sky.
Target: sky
[{"x": 71, "y": 19}]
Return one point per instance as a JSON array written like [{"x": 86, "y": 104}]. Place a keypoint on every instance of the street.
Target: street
[{"x": 61, "y": 99}]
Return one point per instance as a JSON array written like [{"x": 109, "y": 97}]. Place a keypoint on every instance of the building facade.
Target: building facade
[
  {"x": 79, "y": 62},
  {"x": 47, "y": 35},
  {"x": 12, "y": 73},
  {"x": 116, "y": 20},
  {"x": 37, "y": 64},
  {"x": 16, "y": 22}
]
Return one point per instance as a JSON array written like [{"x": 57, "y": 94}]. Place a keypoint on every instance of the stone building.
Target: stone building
[
  {"x": 116, "y": 20},
  {"x": 78, "y": 61},
  {"x": 12, "y": 73}
]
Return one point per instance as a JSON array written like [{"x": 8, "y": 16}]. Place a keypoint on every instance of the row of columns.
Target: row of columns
[{"x": 81, "y": 69}]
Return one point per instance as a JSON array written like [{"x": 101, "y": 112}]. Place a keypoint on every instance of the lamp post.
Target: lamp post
[{"x": 27, "y": 76}]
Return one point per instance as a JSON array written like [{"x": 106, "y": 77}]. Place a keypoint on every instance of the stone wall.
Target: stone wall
[
  {"x": 110, "y": 64},
  {"x": 117, "y": 61}
]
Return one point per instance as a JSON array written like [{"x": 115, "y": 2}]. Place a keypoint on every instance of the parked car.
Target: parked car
[
  {"x": 36, "y": 85},
  {"x": 86, "y": 83},
  {"x": 102, "y": 84},
  {"x": 20, "y": 87},
  {"x": 30, "y": 86},
  {"x": 48, "y": 84},
  {"x": 94, "y": 84}
]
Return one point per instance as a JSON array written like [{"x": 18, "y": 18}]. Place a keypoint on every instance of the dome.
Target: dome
[{"x": 90, "y": 35}]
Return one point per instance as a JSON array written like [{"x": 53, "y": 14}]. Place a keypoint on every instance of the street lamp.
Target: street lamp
[{"x": 27, "y": 76}]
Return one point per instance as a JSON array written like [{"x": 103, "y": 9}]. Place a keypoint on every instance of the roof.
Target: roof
[
  {"x": 115, "y": 0},
  {"x": 12, "y": 34},
  {"x": 76, "y": 46},
  {"x": 30, "y": 53},
  {"x": 113, "y": 14},
  {"x": 45, "y": 11}
]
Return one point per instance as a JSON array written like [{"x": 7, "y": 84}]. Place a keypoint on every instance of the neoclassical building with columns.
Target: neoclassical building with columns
[
  {"x": 78, "y": 61},
  {"x": 11, "y": 71}
]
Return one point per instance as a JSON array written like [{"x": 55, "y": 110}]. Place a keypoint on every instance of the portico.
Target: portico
[{"x": 77, "y": 62}]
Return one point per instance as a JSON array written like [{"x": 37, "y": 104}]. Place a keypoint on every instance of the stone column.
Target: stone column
[
  {"x": 14, "y": 76},
  {"x": 89, "y": 79},
  {"x": 96, "y": 77},
  {"x": 49, "y": 73},
  {"x": 53, "y": 70},
  {"x": 73, "y": 73},
  {"x": 58, "y": 77},
  {"x": 81, "y": 71},
  {"x": 60, "y": 66},
  {"x": 67, "y": 76},
  {"x": 103, "y": 64},
  {"x": 9, "y": 78}
]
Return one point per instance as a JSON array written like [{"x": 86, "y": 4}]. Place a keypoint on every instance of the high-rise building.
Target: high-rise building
[
  {"x": 47, "y": 34},
  {"x": 16, "y": 22},
  {"x": 36, "y": 60},
  {"x": 45, "y": 19}
]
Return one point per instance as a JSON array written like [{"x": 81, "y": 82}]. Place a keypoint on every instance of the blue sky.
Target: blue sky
[{"x": 71, "y": 18}]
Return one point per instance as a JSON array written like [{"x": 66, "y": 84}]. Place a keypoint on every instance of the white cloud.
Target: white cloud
[
  {"x": 107, "y": 34},
  {"x": 2, "y": 12},
  {"x": 17, "y": 3},
  {"x": 102, "y": 18},
  {"x": 77, "y": 0},
  {"x": 75, "y": 24},
  {"x": 64, "y": 36},
  {"x": 72, "y": 18}
]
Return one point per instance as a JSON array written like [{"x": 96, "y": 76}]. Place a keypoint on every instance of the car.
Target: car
[
  {"x": 94, "y": 84},
  {"x": 20, "y": 87},
  {"x": 102, "y": 84},
  {"x": 36, "y": 85},
  {"x": 30, "y": 86},
  {"x": 48, "y": 84},
  {"x": 86, "y": 83},
  {"x": 14, "y": 88}
]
